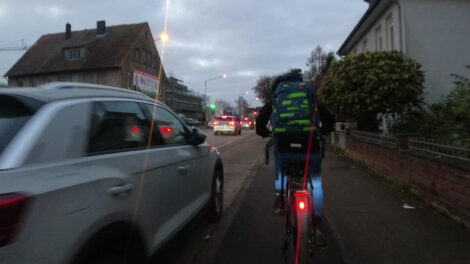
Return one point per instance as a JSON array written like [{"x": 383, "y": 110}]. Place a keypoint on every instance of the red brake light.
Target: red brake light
[
  {"x": 246, "y": 118},
  {"x": 12, "y": 206},
  {"x": 224, "y": 116},
  {"x": 135, "y": 129},
  {"x": 241, "y": 123},
  {"x": 251, "y": 122},
  {"x": 301, "y": 205}
]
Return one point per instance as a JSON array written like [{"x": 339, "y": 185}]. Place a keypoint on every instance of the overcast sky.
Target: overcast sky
[{"x": 241, "y": 38}]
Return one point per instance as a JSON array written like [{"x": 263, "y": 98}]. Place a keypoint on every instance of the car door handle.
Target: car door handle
[
  {"x": 183, "y": 169},
  {"x": 120, "y": 190}
]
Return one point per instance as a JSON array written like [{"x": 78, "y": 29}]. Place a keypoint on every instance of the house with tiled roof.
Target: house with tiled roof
[
  {"x": 122, "y": 56},
  {"x": 436, "y": 33}
]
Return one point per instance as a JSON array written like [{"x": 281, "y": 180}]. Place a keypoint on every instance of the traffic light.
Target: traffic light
[{"x": 212, "y": 107}]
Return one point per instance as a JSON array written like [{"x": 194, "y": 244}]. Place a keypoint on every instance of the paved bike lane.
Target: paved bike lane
[{"x": 255, "y": 234}]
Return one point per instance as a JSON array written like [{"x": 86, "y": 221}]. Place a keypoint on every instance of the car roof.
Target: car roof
[{"x": 65, "y": 91}]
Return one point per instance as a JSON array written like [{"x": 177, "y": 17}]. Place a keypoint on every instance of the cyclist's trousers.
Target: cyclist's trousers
[{"x": 314, "y": 172}]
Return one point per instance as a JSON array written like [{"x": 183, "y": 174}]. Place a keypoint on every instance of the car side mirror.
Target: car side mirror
[{"x": 197, "y": 136}]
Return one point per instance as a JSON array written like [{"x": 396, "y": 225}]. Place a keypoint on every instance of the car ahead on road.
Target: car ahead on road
[
  {"x": 227, "y": 124},
  {"x": 247, "y": 123},
  {"x": 83, "y": 181},
  {"x": 210, "y": 124}
]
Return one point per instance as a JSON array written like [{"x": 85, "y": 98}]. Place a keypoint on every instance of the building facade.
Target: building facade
[
  {"x": 433, "y": 32},
  {"x": 123, "y": 56},
  {"x": 182, "y": 100}
]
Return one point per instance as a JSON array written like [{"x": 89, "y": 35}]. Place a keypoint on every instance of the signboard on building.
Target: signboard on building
[{"x": 145, "y": 82}]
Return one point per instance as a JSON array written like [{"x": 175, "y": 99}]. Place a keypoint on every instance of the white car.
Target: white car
[
  {"x": 227, "y": 124},
  {"x": 82, "y": 181}
]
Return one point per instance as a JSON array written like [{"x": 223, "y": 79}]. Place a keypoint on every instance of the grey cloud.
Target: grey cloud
[{"x": 242, "y": 38}]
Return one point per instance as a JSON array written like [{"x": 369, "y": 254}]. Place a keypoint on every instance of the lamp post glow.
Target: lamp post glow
[{"x": 164, "y": 37}]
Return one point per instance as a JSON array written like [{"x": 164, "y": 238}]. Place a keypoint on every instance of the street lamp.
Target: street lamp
[
  {"x": 163, "y": 37},
  {"x": 222, "y": 76}
]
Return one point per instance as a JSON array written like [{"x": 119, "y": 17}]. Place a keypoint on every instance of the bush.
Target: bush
[
  {"x": 450, "y": 118},
  {"x": 362, "y": 86}
]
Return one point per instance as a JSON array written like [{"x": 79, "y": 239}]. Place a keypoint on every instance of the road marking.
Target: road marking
[{"x": 230, "y": 142}]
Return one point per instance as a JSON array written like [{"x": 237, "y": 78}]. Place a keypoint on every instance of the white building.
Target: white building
[{"x": 435, "y": 33}]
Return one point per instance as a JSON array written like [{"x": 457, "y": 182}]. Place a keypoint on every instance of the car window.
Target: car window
[
  {"x": 13, "y": 115},
  {"x": 170, "y": 128},
  {"x": 119, "y": 126}
]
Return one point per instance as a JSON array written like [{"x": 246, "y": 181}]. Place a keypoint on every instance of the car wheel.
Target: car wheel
[{"x": 217, "y": 197}]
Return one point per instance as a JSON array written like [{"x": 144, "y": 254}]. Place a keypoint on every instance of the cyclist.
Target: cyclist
[{"x": 285, "y": 153}]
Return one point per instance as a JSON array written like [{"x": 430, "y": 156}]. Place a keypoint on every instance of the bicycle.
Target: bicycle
[{"x": 298, "y": 209}]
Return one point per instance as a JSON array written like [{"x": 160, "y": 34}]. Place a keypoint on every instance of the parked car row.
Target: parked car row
[{"x": 73, "y": 158}]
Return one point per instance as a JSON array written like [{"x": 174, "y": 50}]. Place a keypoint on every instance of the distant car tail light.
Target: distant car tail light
[
  {"x": 224, "y": 117},
  {"x": 231, "y": 123},
  {"x": 241, "y": 122},
  {"x": 251, "y": 122},
  {"x": 215, "y": 123},
  {"x": 12, "y": 207}
]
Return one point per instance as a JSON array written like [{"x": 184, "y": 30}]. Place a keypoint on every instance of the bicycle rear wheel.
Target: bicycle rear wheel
[{"x": 299, "y": 232}]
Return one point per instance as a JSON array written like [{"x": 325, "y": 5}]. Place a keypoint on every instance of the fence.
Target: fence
[
  {"x": 434, "y": 146},
  {"x": 440, "y": 147},
  {"x": 374, "y": 137}
]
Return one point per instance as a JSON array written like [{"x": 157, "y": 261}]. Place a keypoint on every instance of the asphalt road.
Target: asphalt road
[{"x": 365, "y": 218}]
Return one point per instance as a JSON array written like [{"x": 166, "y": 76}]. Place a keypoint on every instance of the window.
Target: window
[
  {"x": 33, "y": 81},
  {"x": 13, "y": 115},
  {"x": 364, "y": 45},
  {"x": 20, "y": 83},
  {"x": 390, "y": 32},
  {"x": 378, "y": 38},
  {"x": 171, "y": 129},
  {"x": 74, "y": 54},
  {"x": 119, "y": 126}
]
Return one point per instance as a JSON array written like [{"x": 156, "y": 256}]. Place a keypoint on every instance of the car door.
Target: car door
[
  {"x": 185, "y": 162},
  {"x": 131, "y": 165}
]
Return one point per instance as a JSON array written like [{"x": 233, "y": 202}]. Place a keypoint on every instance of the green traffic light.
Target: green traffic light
[{"x": 212, "y": 106}]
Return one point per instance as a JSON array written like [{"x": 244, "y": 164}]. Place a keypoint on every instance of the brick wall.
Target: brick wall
[{"x": 436, "y": 181}]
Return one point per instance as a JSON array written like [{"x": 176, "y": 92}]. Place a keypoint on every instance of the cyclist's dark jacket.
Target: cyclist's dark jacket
[{"x": 326, "y": 118}]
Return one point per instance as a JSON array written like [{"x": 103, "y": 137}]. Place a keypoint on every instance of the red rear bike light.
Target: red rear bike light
[
  {"x": 12, "y": 206},
  {"x": 301, "y": 205}
]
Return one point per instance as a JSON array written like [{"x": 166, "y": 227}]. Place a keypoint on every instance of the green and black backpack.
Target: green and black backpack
[{"x": 295, "y": 107}]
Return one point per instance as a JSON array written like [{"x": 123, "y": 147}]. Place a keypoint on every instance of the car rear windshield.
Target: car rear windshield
[
  {"x": 220, "y": 118},
  {"x": 14, "y": 113}
]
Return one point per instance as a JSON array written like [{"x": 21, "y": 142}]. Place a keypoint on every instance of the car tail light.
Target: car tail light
[
  {"x": 215, "y": 123},
  {"x": 224, "y": 117},
  {"x": 251, "y": 122},
  {"x": 231, "y": 123},
  {"x": 241, "y": 122},
  {"x": 12, "y": 206}
]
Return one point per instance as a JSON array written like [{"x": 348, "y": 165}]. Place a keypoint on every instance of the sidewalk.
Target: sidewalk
[{"x": 367, "y": 217}]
